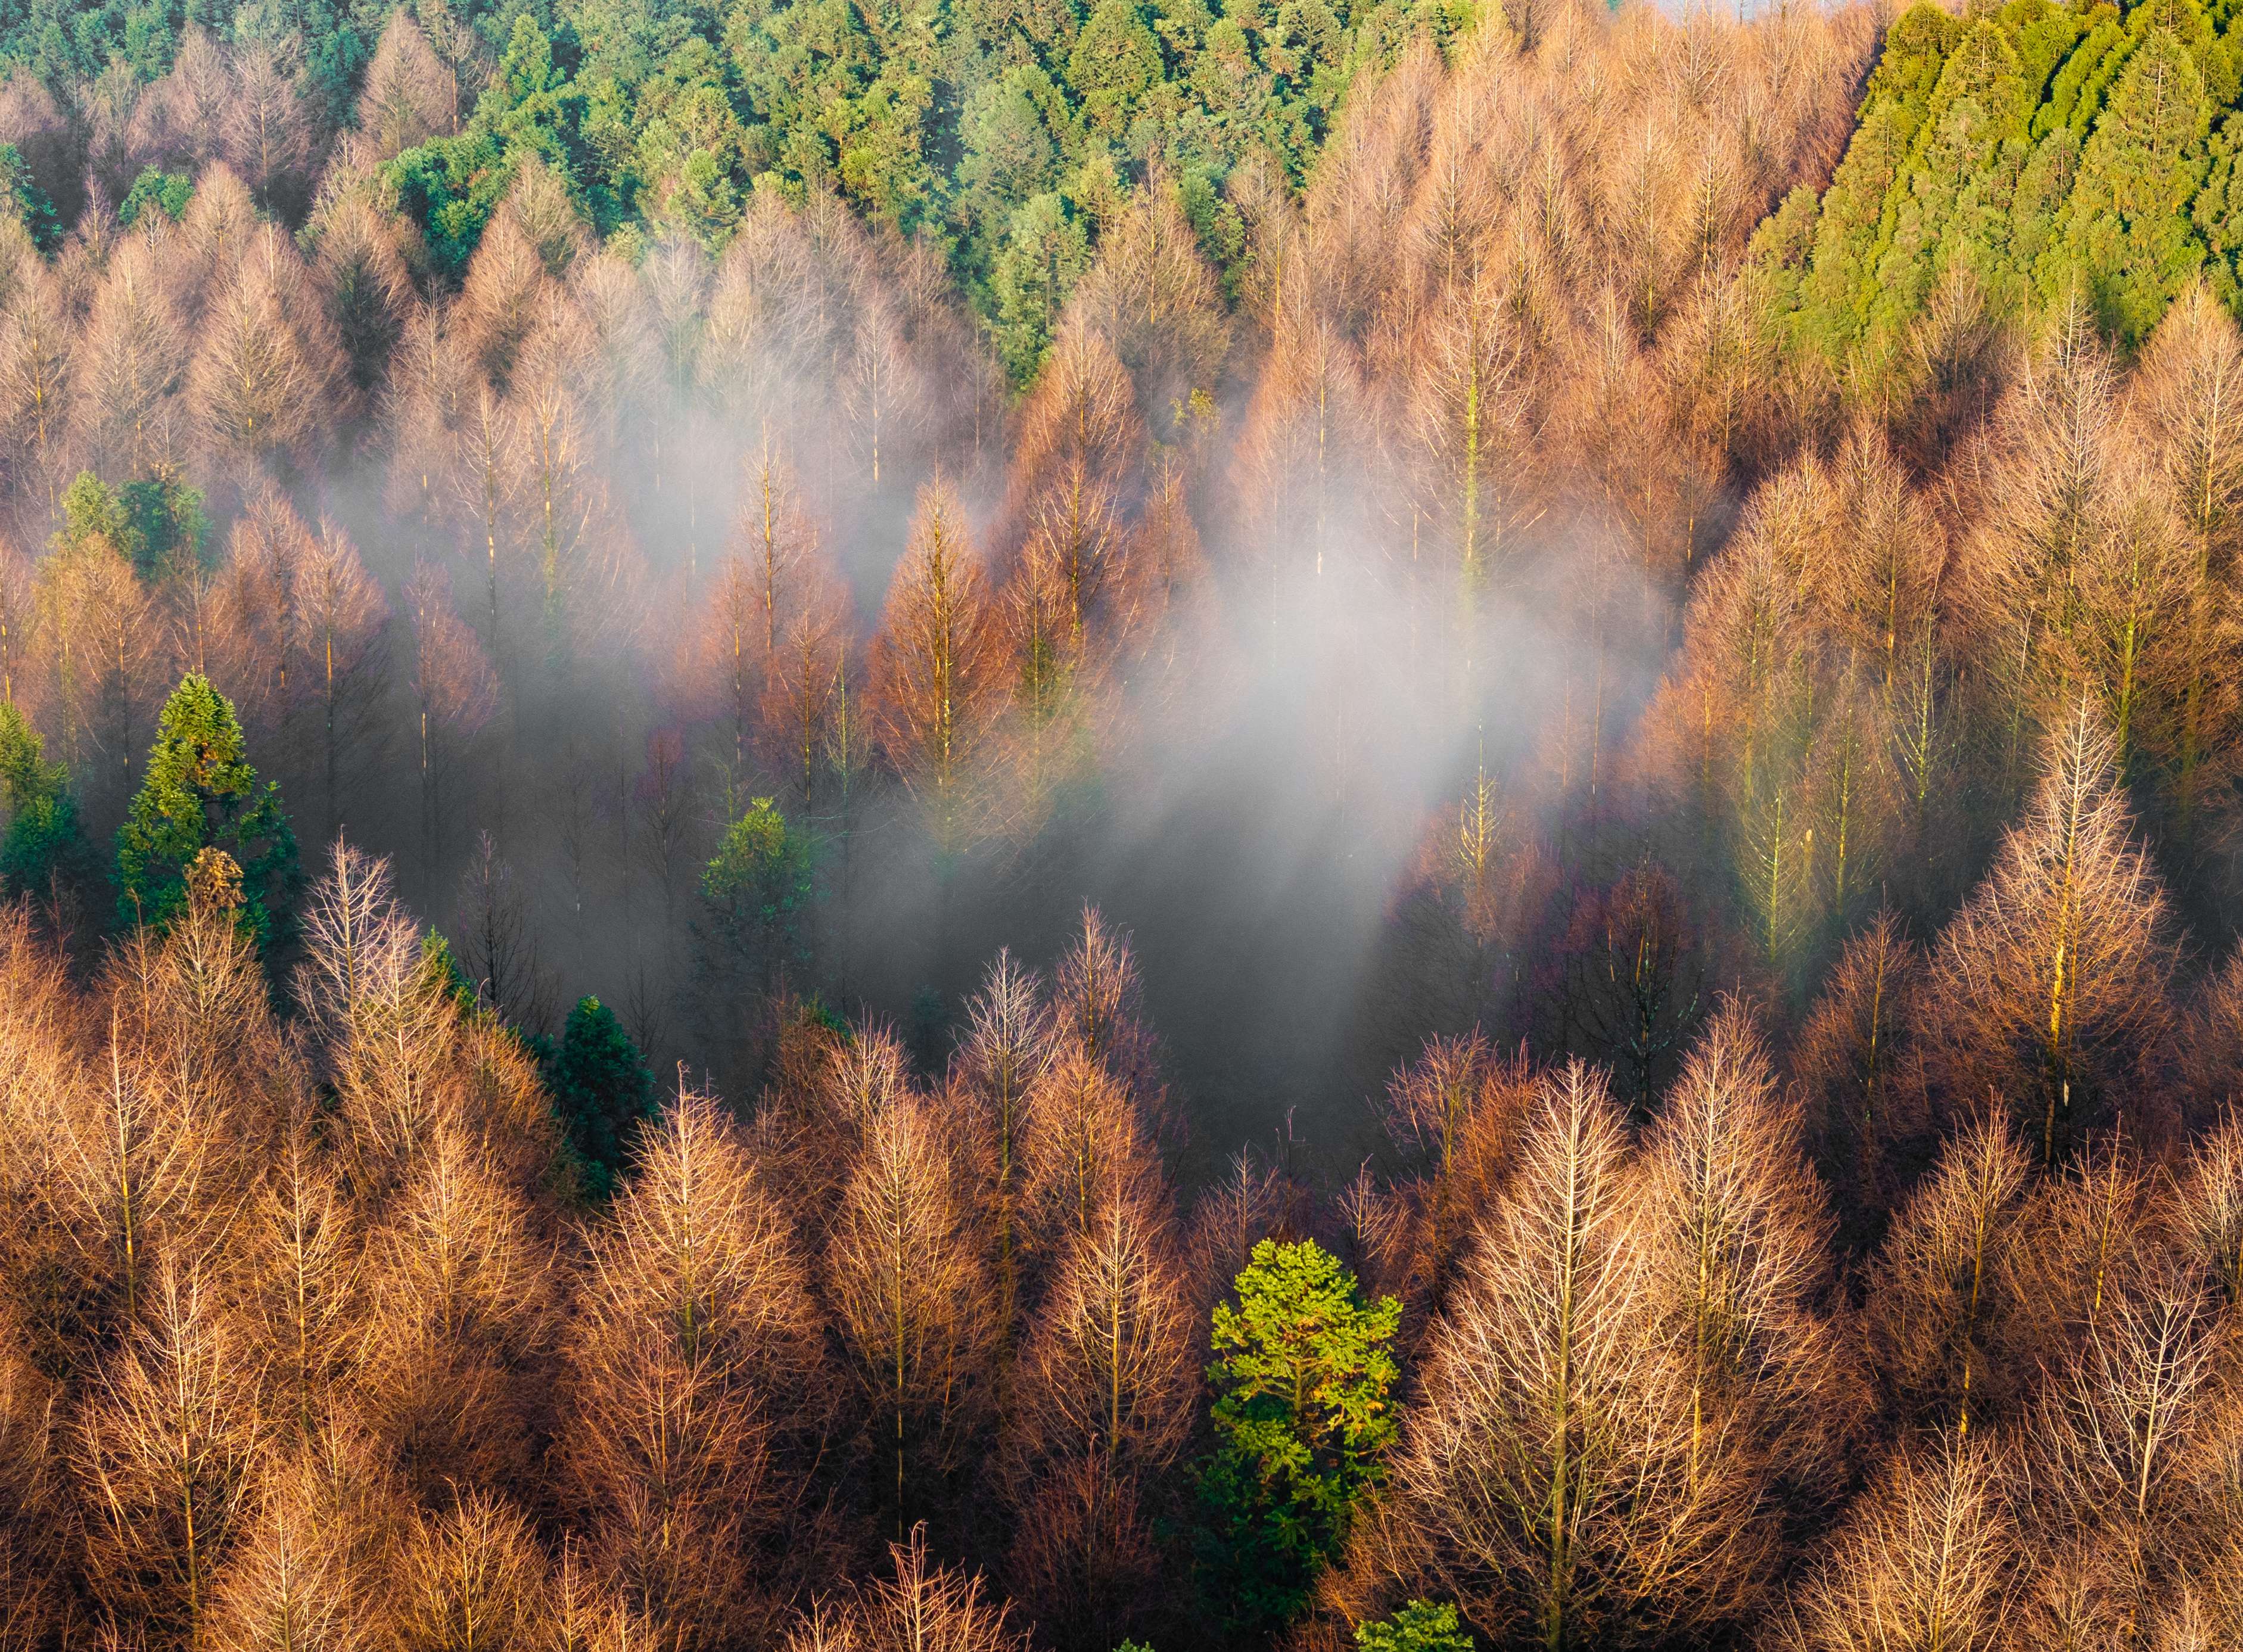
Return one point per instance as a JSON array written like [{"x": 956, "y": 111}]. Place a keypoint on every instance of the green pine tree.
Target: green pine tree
[
  {"x": 1953, "y": 201},
  {"x": 1418, "y": 1627},
  {"x": 201, "y": 792},
  {"x": 2126, "y": 239},
  {"x": 602, "y": 1090},
  {"x": 1303, "y": 1375},
  {"x": 1116, "y": 62},
  {"x": 45, "y": 846},
  {"x": 1045, "y": 254},
  {"x": 758, "y": 887},
  {"x": 21, "y": 197}
]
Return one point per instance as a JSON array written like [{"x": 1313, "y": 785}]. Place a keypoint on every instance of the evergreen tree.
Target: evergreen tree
[
  {"x": 1116, "y": 62},
  {"x": 169, "y": 191},
  {"x": 1302, "y": 1372},
  {"x": 602, "y": 1090},
  {"x": 1045, "y": 254},
  {"x": 758, "y": 886},
  {"x": 44, "y": 843},
  {"x": 2127, "y": 236},
  {"x": 1418, "y": 1627},
  {"x": 1953, "y": 202},
  {"x": 21, "y": 196},
  {"x": 201, "y": 792}
]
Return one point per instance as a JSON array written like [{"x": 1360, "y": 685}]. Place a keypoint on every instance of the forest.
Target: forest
[{"x": 1118, "y": 828}]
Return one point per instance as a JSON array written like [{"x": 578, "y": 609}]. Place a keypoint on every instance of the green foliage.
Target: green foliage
[
  {"x": 1303, "y": 1371},
  {"x": 1418, "y": 1627},
  {"x": 43, "y": 842},
  {"x": 1047, "y": 250},
  {"x": 1116, "y": 62},
  {"x": 2127, "y": 236},
  {"x": 947, "y": 121},
  {"x": 602, "y": 1089},
  {"x": 157, "y": 524},
  {"x": 21, "y": 195},
  {"x": 92, "y": 510},
  {"x": 2038, "y": 148},
  {"x": 759, "y": 885},
  {"x": 201, "y": 792},
  {"x": 441, "y": 972},
  {"x": 169, "y": 532},
  {"x": 170, "y": 192}
]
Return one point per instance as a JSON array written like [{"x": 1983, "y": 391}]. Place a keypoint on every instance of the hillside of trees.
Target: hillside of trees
[{"x": 1101, "y": 829}]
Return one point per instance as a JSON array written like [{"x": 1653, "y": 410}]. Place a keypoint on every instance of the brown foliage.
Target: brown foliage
[
  {"x": 691, "y": 1365},
  {"x": 933, "y": 682},
  {"x": 2046, "y": 995}
]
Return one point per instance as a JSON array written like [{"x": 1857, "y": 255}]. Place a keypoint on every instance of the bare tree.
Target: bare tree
[
  {"x": 37, "y": 355},
  {"x": 1548, "y": 1482},
  {"x": 409, "y": 95},
  {"x": 1737, "y": 1231},
  {"x": 1938, "y": 1308},
  {"x": 1101, "y": 1409},
  {"x": 1926, "y": 1559},
  {"x": 904, "y": 1274},
  {"x": 932, "y": 664},
  {"x": 300, "y": 1291},
  {"x": 454, "y": 693},
  {"x": 167, "y": 1444},
  {"x": 2190, "y": 391},
  {"x": 336, "y": 626},
  {"x": 307, "y": 1573},
  {"x": 458, "y": 1318},
  {"x": 468, "y": 1579},
  {"x": 2047, "y": 992},
  {"x": 131, "y": 357},
  {"x": 922, "y": 1608},
  {"x": 691, "y": 1363},
  {"x": 1854, "y": 1069},
  {"x": 998, "y": 1062}
]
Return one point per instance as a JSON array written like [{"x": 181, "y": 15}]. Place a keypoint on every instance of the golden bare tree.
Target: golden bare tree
[
  {"x": 98, "y": 648},
  {"x": 933, "y": 664},
  {"x": 168, "y": 1442},
  {"x": 336, "y": 626},
  {"x": 31, "y": 1576},
  {"x": 1455, "y": 1116},
  {"x": 921, "y": 1607},
  {"x": 37, "y": 356},
  {"x": 2189, "y": 394},
  {"x": 693, "y": 1363},
  {"x": 409, "y": 95},
  {"x": 805, "y": 700},
  {"x": 1926, "y": 1559},
  {"x": 1101, "y": 1410},
  {"x": 999, "y": 1061},
  {"x": 131, "y": 1153},
  {"x": 267, "y": 374},
  {"x": 904, "y": 1273},
  {"x": 460, "y": 1319},
  {"x": 128, "y": 367},
  {"x": 1546, "y": 1482},
  {"x": 1737, "y": 1231},
  {"x": 2047, "y": 994},
  {"x": 470, "y": 1578},
  {"x": 1087, "y": 1151},
  {"x": 306, "y": 1575},
  {"x": 1152, "y": 299},
  {"x": 1854, "y": 1069},
  {"x": 1939, "y": 1314}
]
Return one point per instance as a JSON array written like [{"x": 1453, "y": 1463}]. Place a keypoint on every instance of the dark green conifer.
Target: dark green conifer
[{"x": 201, "y": 792}]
